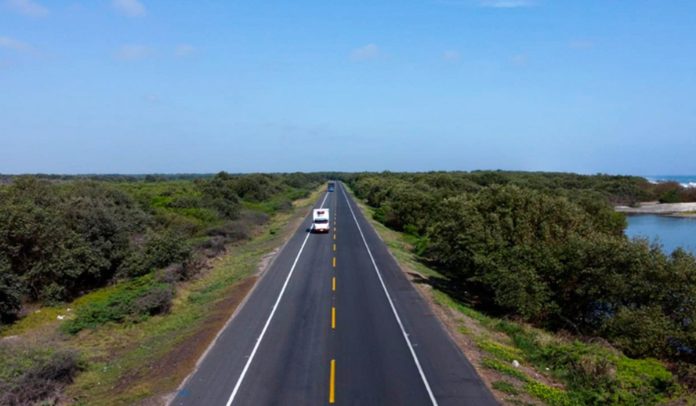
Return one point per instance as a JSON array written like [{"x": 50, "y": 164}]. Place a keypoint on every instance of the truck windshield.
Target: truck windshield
[{"x": 321, "y": 221}]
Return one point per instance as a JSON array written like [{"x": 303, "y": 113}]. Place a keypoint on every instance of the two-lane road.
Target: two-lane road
[{"x": 334, "y": 320}]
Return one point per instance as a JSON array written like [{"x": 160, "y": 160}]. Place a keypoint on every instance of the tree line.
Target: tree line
[
  {"x": 548, "y": 249},
  {"x": 61, "y": 237}
]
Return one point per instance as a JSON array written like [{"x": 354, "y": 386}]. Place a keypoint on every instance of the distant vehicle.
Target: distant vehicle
[
  {"x": 331, "y": 187},
  {"x": 320, "y": 221}
]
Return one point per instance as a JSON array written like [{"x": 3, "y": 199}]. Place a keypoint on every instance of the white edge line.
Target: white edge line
[
  {"x": 173, "y": 396},
  {"x": 391, "y": 303},
  {"x": 270, "y": 317}
]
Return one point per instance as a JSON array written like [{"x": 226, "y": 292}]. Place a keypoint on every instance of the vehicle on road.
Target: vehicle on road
[
  {"x": 320, "y": 221},
  {"x": 331, "y": 187}
]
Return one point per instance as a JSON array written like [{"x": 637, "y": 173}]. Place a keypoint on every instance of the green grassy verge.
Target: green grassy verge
[{"x": 553, "y": 369}]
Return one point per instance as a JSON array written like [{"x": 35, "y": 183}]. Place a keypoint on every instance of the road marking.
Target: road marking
[
  {"x": 270, "y": 317},
  {"x": 391, "y": 303},
  {"x": 334, "y": 236},
  {"x": 334, "y": 247},
  {"x": 333, "y": 284},
  {"x": 332, "y": 382},
  {"x": 333, "y": 317},
  {"x": 334, "y": 262}
]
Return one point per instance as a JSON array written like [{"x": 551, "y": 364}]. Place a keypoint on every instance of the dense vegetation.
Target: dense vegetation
[
  {"x": 548, "y": 249},
  {"x": 60, "y": 238}
]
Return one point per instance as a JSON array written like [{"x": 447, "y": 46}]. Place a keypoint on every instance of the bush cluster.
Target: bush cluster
[
  {"x": 35, "y": 375},
  {"x": 132, "y": 301}
]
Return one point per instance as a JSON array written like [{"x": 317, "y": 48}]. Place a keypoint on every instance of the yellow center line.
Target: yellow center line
[
  {"x": 333, "y": 284},
  {"x": 334, "y": 262},
  {"x": 334, "y": 247},
  {"x": 333, "y": 318},
  {"x": 332, "y": 382},
  {"x": 334, "y": 236}
]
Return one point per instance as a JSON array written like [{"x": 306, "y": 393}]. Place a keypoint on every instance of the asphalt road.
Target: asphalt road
[{"x": 334, "y": 320}]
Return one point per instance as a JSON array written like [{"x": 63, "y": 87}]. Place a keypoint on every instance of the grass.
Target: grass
[
  {"x": 505, "y": 369},
  {"x": 37, "y": 319},
  {"x": 555, "y": 370},
  {"x": 505, "y": 387},
  {"x": 549, "y": 395}
]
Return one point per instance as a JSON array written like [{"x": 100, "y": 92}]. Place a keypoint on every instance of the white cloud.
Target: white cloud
[
  {"x": 369, "y": 51},
  {"x": 507, "y": 3},
  {"x": 13, "y": 44},
  {"x": 27, "y": 7},
  {"x": 451, "y": 55},
  {"x": 132, "y": 52},
  {"x": 130, "y": 8},
  {"x": 184, "y": 50}
]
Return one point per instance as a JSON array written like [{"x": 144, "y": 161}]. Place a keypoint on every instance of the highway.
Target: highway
[{"x": 334, "y": 321}]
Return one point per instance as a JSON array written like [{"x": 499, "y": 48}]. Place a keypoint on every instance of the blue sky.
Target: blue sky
[{"x": 137, "y": 86}]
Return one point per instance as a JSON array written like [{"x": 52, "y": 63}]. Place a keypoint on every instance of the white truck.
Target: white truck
[{"x": 320, "y": 221}]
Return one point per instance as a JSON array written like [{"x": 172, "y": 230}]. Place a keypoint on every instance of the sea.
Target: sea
[
  {"x": 670, "y": 232},
  {"x": 684, "y": 180}
]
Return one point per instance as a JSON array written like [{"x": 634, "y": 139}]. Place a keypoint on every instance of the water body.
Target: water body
[
  {"x": 685, "y": 180},
  {"x": 671, "y": 232}
]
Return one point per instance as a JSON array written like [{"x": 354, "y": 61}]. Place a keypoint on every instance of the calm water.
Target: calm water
[{"x": 671, "y": 232}]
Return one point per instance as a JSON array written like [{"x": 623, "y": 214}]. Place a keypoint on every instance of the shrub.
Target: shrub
[
  {"x": 213, "y": 246},
  {"x": 10, "y": 293},
  {"x": 31, "y": 375},
  {"x": 155, "y": 301},
  {"x": 131, "y": 301},
  {"x": 159, "y": 251},
  {"x": 232, "y": 231},
  {"x": 219, "y": 193}
]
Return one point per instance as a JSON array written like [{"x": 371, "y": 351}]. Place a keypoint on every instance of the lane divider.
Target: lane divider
[
  {"x": 270, "y": 317},
  {"x": 334, "y": 262},
  {"x": 332, "y": 382},
  {"x": 334, "y": 247},
  {"x": 333, "y": 318},
  {"x": 333, "y": 284},
  {"x": 391, "y": 303}
]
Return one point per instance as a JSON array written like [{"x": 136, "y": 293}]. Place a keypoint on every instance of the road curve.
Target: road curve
[{"x": 334, "y": 321}]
